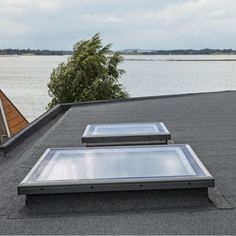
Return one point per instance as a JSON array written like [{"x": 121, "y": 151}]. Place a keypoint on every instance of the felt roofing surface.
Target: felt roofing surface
[
  {"x": 205, "y": 121},
  {"x": 15, "y": 120}
]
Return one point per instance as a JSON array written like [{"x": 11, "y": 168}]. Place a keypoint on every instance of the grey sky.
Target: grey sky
[{"x": 149, "y": 24}]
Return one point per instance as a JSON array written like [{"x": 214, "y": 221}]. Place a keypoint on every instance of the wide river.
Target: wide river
[{"x": 24, "y": 78}]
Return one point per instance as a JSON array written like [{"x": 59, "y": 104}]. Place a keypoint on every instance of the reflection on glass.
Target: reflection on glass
[
  {"x": 116, "y": 163},
  {"x": 126, "y": 129}
]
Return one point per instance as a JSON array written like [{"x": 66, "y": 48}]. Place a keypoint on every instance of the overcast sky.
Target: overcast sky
[{"x": 146, "y": 24}]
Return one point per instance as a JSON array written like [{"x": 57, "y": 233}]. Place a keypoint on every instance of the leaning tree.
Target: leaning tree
[{"x": 90, "y": 73}]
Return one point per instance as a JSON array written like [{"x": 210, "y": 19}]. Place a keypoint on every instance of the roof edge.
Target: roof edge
[
  {"x": 143, "y": 98},
  {"x": 33, "y": 126}
]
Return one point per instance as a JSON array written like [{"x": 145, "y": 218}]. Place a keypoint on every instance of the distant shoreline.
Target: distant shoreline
[
  {"x": 29, "y": 55},
  {"x": 32, "y": 52},
  {"x": 190, "y": 52},
  {"x": 125, "y": 54},
  {"x": 134, "y": 59}
]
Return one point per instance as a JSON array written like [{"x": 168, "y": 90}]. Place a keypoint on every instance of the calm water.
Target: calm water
[{"x": 24, "y": 78}]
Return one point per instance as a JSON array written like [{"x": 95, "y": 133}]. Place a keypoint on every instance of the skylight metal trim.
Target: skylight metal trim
[
  {"x": 117, "y": 184},
  {"x": 36, "y": 165},
  {"x": 164, "y": 128},
  {"x": 203, "y": 168}
]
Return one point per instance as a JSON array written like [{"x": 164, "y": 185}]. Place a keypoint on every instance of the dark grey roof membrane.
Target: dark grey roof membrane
[{"x": 205, "y": 121}]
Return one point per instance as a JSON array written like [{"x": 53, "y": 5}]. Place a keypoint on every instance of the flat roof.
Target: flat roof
[{"x": 208, "y": 125}]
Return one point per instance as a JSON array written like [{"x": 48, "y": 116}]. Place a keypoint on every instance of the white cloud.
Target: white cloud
[
  {"x": 13, "y": 28},
  {"x": 30, "y": 4},
  {"x": 104, "y": 18},
  {"x": 126, "y": 23}
]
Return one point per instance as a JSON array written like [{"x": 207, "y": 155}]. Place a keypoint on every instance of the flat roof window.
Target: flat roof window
[
  {"x": 126, "y": 132},
  {"x": 116, "y": 169},
  {"x": 126, "y": 129}
]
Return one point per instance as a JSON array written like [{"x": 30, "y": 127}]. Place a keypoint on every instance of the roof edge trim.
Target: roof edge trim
[
  {"x": 143, "y": 98},
  {"x": 32, "y": 127}
]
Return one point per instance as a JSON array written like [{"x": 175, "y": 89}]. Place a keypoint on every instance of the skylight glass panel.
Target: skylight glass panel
[
  {"x": 116, "y": 168},
  {"x": 126, "y": 129},
  {"x": 119, "y": 163}
]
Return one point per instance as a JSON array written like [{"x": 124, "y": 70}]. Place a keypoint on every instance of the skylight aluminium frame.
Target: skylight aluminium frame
[
  {"x": 197, "y": 176},
  {"x": 159, "y": 134}
]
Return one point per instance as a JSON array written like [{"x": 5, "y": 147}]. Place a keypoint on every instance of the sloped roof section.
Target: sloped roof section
[{"x": 14, "y": 119}]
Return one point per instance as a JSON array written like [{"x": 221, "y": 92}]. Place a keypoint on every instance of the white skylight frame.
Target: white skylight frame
[
  {"x": 198, "y": 177},
  {"x": 159, "y": 134},
  {"x": 4, "y": 119}
]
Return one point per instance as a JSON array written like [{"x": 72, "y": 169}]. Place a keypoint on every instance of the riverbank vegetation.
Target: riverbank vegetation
[
  {"x": 206, "y": 51},
  {"x": 37, "y": 52}
]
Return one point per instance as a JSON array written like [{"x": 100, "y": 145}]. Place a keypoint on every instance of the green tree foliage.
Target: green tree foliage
[{"x": 88, "y": 74}]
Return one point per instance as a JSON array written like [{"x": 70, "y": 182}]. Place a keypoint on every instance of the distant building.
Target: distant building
[{"x": 11, "y": 120}]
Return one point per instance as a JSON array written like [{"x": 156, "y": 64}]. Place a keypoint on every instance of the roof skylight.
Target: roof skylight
[
  {"x": 64, "y": 170},
  {"x": 126, "y": 133}
]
